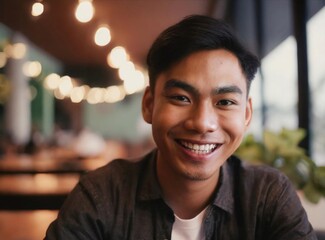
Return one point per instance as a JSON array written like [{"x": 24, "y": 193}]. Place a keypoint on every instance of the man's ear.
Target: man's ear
[
  {"x": 249, "y": 112},
  {"x": 147, "y": 105}
]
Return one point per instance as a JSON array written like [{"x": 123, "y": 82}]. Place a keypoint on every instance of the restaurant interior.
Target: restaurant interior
[{"x": 72, "y": 74}]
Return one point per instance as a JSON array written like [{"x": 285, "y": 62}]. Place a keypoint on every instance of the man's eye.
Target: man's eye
[
  {"x": 180, "y": 98},
  {"x": 225, "y": 102}
]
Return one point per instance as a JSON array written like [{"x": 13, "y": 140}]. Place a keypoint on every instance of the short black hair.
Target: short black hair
[{"x": 192, "y": 34}]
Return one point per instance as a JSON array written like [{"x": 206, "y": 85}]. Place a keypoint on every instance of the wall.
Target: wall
[{"x": 122, "y": 120}]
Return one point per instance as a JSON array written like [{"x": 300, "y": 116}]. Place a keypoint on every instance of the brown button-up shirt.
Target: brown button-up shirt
[{"x": 123, "y": 200}]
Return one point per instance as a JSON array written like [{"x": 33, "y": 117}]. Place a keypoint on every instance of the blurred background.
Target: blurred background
[{"x": 72, "y": 74}]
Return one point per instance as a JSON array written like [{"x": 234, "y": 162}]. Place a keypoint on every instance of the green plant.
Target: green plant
[{"x": 281, "y": 150}]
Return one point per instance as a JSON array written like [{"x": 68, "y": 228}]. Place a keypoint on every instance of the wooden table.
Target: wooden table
[
  {"x": 35, "y": 191},
  {"x": 25, "y": 164},
  {"x": 33, "y": 188},
  {"x": 41, "y": 181},
  {"x": 25, "y": 225}
]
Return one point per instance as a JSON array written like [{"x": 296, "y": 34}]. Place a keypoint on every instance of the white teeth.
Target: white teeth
[{"x": 199, "y": 149}]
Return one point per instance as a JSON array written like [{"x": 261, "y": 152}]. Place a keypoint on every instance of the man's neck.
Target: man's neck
[{"x": 185, "y": 196}]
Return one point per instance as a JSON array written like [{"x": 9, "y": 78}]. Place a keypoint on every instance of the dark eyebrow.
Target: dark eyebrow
[
  {"x": 228, "y": 89},
  {"x": 174, "y": 83}
]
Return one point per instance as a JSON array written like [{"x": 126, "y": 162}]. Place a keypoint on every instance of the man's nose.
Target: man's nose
[{"x": 202, "y": 118}]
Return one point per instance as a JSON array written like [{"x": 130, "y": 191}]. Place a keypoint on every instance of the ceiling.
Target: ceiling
[{"x": 134, "y": 24}]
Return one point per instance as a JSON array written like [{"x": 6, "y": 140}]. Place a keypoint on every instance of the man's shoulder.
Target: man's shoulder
[
  {"x": 258, "y": 173},
  {"x": 118, "y": 171}
]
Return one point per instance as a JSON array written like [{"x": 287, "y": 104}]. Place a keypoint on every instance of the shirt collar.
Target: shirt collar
[
  {"x": 224, "y": 197},
  {"x": 149, "y": 185},
  {"x": 150, "y": 188}
]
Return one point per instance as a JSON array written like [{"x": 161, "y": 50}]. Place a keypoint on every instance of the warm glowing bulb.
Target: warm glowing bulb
[
  {"x": 96, "y": 95},
  {"x": 126, "y": 71},
  {"x": 84, "y": 11},
  {"x": 114, "y": 94},
  {"x": 135, "y": 83},
  {"x": 58, "y": 94},
  {"x": 77, "y": 94},
  {"x": 52, "y": 81},
  {"x": 117, "y": 57},
  {"x": 65, "y": 85},
  {"x": 102, "y": 36},
  {"x": 16, "y": 51},
  {"x": 37, "y": 9},
  {"x": 32, "y": 69}
]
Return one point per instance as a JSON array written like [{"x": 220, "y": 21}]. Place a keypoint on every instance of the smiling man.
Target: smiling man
[
  {"x": 199, "y": 111},
  {"x": 191, "y": 187}
]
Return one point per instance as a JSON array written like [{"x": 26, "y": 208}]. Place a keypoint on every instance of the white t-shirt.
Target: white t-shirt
[{"x": 189, "y": 229}]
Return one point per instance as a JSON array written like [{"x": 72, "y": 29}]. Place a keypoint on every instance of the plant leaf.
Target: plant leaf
[{"x": 311, "y": 193}]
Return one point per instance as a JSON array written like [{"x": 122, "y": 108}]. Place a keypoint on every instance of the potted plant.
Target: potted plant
[{"x": 281, "y": 150}]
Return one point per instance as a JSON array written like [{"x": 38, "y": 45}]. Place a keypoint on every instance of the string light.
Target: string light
[
  {"x": 16, "y": 51},
  {"x": 77, "y": 94},
  {"x": 126, "y": 70},
  {"x": 84, "y": 11},
  {"x": 135, "y": 83},
  {"x": 117, "y": 57},
  {"x": 102, "y": 36},
  {"x": 32, "y": 69},
  {"x": 37, "y": 9},
  {"x": 66, "y": 87},
  {"x": 58, "y": 94},
  {"x": 96, "y": 95},
  {"x": 52, "y": 81},
  {"x": 114, "y": 94}
]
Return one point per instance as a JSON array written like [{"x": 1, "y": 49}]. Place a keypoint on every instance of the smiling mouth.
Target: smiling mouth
[{"x": 199, "y": 148}]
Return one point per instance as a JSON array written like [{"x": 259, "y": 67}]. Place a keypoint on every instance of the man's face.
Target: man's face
[{"x": 199, "y": 112}]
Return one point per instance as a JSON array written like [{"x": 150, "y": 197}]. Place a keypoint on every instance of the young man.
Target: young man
[{"x": 190, "y": 187}]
